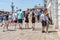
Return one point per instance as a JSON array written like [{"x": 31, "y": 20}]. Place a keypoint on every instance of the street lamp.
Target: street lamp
[{"x": 12, "y": 6}]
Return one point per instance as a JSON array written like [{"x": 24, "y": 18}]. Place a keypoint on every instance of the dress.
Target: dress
[{"x": 26, "y": 18}]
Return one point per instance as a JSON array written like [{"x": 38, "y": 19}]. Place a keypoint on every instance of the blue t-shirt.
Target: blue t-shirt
[
  {"x": 4, "y": 17},
  {"x": 19, "y": 15},
  {"x": 38, "y": 15}
]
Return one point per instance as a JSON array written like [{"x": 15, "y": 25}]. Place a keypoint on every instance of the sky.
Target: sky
[{"x": 21, "y": 4}]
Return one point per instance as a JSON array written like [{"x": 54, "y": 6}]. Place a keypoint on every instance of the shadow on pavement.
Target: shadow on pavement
[
  {"x": 25, "y": 28},
  {"x": 11, "y": 30},
  {"x": 52, "y": 31},
  {"x": 37, "y": 29}
]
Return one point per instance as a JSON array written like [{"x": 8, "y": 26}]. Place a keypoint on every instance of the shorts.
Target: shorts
[
  {"x": 44, "y": 23},
  {"x": 37, "y": 17},
  {"x": 20, "y": 20},
  {"x": 33, "y": 21},
  {"x": 27, "y": 21},
  {"x": 15, "y": 21}
]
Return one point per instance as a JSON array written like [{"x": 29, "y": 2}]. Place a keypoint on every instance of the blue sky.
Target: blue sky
[{"x": 23, "y": 4}]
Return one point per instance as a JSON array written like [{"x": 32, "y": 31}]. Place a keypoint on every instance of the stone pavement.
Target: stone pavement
[{"x": 28, "y": 34}]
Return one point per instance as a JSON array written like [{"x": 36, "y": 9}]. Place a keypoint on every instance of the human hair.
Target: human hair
[
  {"x": 33, "y": 14},
  {"x": 19, "y": 9}
]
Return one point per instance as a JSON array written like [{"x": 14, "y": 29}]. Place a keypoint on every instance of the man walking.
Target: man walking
[
  {"x": 43, "y": 21},
  {"x": 20, "y": 18}
]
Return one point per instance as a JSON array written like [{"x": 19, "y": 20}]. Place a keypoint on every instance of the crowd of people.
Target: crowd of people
[{"x": 19, "y": 16}]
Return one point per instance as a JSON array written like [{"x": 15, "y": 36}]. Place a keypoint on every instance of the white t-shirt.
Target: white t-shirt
[
  {"x": 10, "y": 17},
  {"x": 42, "y": 17},
  {"x": 47, "y": 20},
  {"x": 14, "y": 16}
]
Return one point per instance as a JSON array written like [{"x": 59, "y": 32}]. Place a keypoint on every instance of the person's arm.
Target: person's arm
[
  {"x": 31, "y": 15},
  {"x": 28, "y": 16},
  {"x": 22, "y": 16},
  {"x": 36, "y": 17},
  {"x": 17, "y": 17},
  {"x": 40, "y": 19}
]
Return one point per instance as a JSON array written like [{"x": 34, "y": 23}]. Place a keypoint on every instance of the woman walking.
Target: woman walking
[
  {"x": 27, "y": 20},
  {"x": 43, "y": 21},
  {"x": 5, "y": 20},
  {"x": 14, "y": 19},
  {"x": 33, "y": 20}
]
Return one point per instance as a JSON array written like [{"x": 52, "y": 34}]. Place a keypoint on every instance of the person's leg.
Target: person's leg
[
  {"x": 1, "y": 24},
  {"x": 25, "y": 24},
  {"x": 43, "y": 26},
  {"x": 47, "y": 26},
  {"x": 7, "y": 26},
  {"x": 33, "y": 25},
  {"x": 20, "y": 25},
  {"x": 38, "y": 19},
  {"x": 4, "y": 26},
  {"x": 14, "y": 24},
  {"x": 9, "y": 22},
  {"x": 28, "y": 25}
]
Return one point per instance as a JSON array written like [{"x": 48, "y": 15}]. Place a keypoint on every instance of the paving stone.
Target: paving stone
[{"x": 28, "y": 34}]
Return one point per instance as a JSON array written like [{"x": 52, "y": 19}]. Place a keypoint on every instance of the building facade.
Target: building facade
[
  {"x": 59, "y": 13},
  {"x": 52, "y": 6}
]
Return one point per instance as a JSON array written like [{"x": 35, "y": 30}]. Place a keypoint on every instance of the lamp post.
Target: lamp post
[{"x": 12, "y": 6}]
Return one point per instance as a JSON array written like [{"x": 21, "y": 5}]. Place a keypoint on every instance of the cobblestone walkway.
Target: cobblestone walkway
[{"x": 28, "y": 34}]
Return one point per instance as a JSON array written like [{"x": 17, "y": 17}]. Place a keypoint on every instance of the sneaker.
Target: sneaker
[
  {"x": 20, "y": 28},
  {"x": 46, "y": 31},
  {"x": 14, "y": 28},
  {"x": 43, "y": 31},
  {"x": 3, "y": 30}
]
